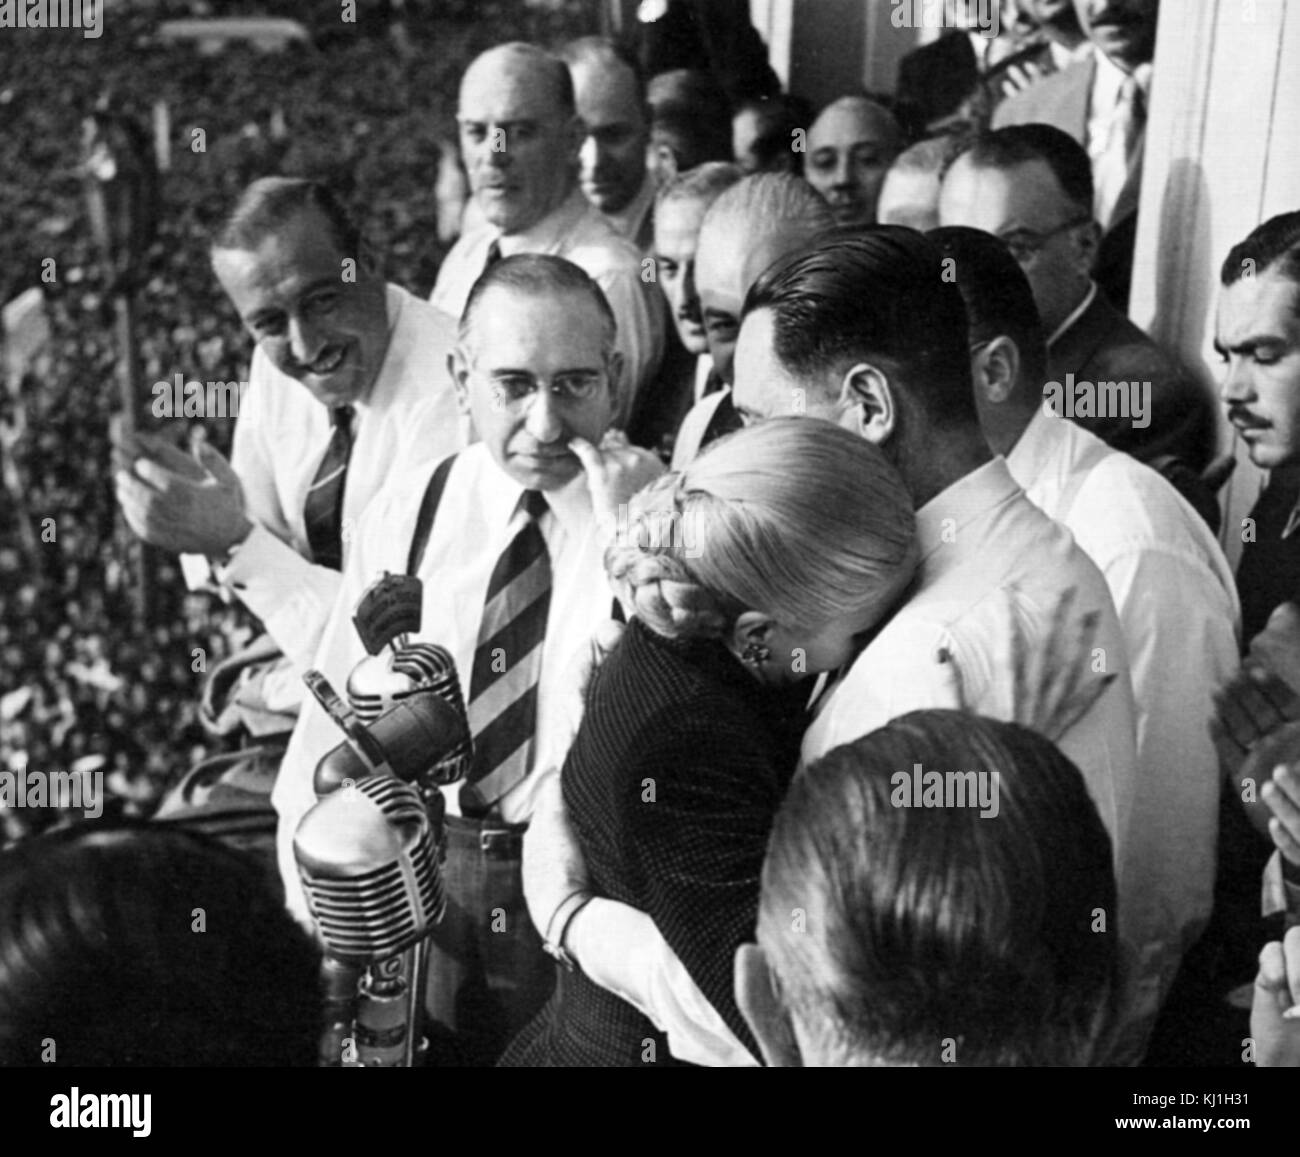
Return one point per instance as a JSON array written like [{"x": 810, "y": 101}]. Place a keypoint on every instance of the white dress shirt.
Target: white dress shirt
[
  {"x": 987, "y": 555},
  {"x": 409, "y": 417},
  {"x": 1180, "y": 615},
  {"x": 1110, "y": 162},
  {"x": 579, "y": 233},
  {"x": 472, "y": 528}
]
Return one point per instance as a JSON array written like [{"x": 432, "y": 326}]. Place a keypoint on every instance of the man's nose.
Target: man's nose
[
  {"x": 1237, "y": 386},
  {"x": 843, "y": 172},
  {"x": 544, "y": 422},
  {"x": 690, "y": 298},
  {"x": 306, "y": 340},
  {"x": 589, "y": 154}
]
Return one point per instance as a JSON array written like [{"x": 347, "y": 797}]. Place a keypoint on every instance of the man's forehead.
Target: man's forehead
[
  {"x": 851, "y": 122},
  {"x": 304, "y": 247},
  {"x": 509, "y": 86},
  {"x": 606, "y": 91},
  {"x": 1260, "y": 305},
  {"x": 677, "y": 223},
  {"x": 507, "y": 311},
  {"x": 973, "y": 193}
]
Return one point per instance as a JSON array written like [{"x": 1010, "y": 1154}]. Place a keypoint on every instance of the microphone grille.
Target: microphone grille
[{"x": 370, "y": 869}]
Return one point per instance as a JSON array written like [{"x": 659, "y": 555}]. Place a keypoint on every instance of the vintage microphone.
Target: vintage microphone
[{"x": 369, "y": 853}]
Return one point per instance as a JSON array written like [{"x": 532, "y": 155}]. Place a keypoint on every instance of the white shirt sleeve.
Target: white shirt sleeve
[
  {"x": 1182, "y": 645},
  {"x": 621, "y": 949}
]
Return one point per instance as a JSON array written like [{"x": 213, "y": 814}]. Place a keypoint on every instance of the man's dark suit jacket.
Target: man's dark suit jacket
[
  {"x": 1103, "y": 345},
  {"x": 711, "y": 36},
  {"x": 1061, "y": 100},
  {"x": 937, "y": 78}
]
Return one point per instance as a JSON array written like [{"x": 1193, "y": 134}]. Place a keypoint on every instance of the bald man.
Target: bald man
[
  {"x": 748, "y": 227},
  {"x": 850, "y": 148},
  {"x": 520, "y": 139}
]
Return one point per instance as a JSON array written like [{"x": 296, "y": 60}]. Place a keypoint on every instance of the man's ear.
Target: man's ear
[
  {"x": 874, "y": 407},
  {"x": 664, "y": 159},
  {"x": 1087, "y": 242},
  {"x": 617, "y": 382},
  {"x": 573, "y": 134},
  {"x": 996, "y": 369},
  {"x": 458, "y": 368},
  {"x": 751, "y": 627},
  {"x": 761, "y": 1007}
]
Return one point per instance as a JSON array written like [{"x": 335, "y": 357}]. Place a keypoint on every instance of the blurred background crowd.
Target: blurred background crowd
[{"x": 81, "y": 686}]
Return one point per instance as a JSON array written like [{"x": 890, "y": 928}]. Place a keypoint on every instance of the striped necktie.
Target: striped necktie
[
  {"x": 323, "y": 509},
  {"x": 508, "y": 663}
]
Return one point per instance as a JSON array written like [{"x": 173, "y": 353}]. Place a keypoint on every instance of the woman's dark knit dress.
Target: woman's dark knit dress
[{"x": 672, "y": 785}]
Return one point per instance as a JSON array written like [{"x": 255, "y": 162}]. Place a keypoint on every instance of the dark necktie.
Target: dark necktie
[
  {"x": 493, "y": 255},
  {"x": 323, "y": 510},
  {"x": 508, "y": 663}
]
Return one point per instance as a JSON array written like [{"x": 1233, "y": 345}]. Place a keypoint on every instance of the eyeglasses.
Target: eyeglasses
[
  {"x": 516, "y": 391},
  {"x": 1025, "y": 244}
]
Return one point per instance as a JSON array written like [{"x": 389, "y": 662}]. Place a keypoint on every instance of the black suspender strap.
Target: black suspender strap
[
  {"x": 428, "y": 509},
  {"x": 424, "y": 525}
]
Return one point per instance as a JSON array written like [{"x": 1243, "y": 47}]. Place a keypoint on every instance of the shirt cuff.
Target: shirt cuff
[{"x": 292, "y": 597}]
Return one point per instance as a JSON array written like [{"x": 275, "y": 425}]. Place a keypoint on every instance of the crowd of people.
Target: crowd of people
[{"x": 830, "y": 569}]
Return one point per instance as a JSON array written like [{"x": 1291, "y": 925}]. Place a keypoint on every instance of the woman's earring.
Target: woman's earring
[{"x": 756, "y": 653}]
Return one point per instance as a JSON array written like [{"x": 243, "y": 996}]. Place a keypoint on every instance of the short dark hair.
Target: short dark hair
[
  {"x": 778, "y": 117},
  {"x": 932, "y": 923},
  {"x": 692, "y": 115},
  {"x": 998, "y": 299},
  {"x": 100, "y": 952},
  {"x": 270, "y": 203},
  {"x": 1274, "y": 245},
  {"x": 874, "y": 293},
  {"x": 538, "y": 275},
  {"x": 1019, "y": 144}
]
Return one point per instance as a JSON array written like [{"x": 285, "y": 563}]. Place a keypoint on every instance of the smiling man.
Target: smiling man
[
  {"x": 512, "y": 571},
  {"x": 1258, "y": 337},
  {"x": 348, "y": 385},
  {"x": 521, "y": 140}
]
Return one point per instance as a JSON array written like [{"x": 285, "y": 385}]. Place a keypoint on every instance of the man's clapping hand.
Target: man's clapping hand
[
  {"x": 1277, "y": 989},
  {"x": 189, "y": 504}
]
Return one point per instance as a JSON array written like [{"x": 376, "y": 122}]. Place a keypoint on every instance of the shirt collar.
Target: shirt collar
[
  {"x": 1078, "y": 311},
  {"x": 1109, "y": 79},
  {"x": 394, "y": 302},
  {"x": 501, "y": 495},
  {"x": 1038, "y": 447},
  {"x": 628, "y": 222},
  {"x": 940, "y": 521},
  {"x": 545, "y": 236}
]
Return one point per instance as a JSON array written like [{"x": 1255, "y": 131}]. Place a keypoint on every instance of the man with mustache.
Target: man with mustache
[
  {"x": 687, "y": 373},
  {"x": 757, "y": 220},
  {"x": 1258, "y": 338},
  {"x": 348, "y": 386},
  {"x": 520, "y": 139}
]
